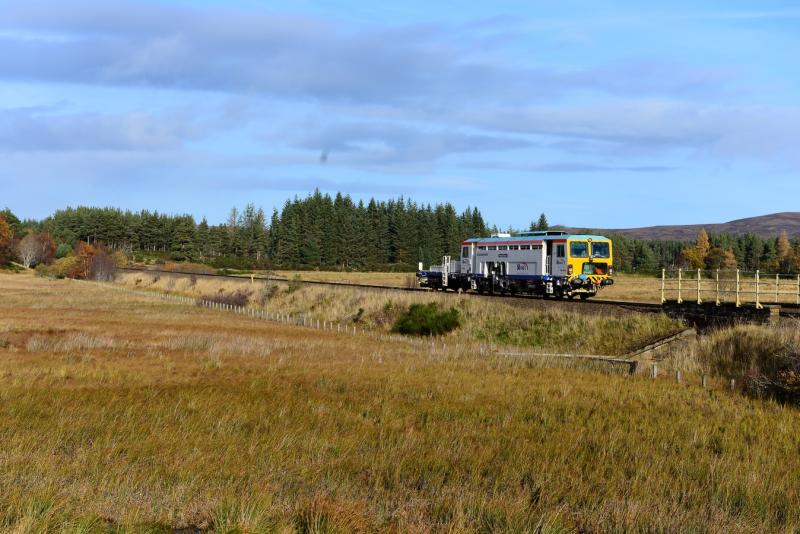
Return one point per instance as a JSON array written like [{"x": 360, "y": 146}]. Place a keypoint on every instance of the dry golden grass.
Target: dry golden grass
[
  {"x": 633, "y": 287},
  {"x": 121, "y": 412},
  {"x": 367, "y": 278},
  {"x": 542, "y": 325}
]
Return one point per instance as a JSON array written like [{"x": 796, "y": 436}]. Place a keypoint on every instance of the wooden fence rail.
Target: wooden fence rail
[{"x": 737, "y": 286}]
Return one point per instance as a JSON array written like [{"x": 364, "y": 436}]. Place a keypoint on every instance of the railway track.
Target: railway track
[{"x": 628, "y": 305}]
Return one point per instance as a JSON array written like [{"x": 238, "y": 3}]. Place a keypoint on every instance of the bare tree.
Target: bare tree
[
  {"x": 28, "y": 250},
  {"x": 36, "y": 248},
  {"x": 47, "y": 248},
  {"x": 102, "y": 266}
]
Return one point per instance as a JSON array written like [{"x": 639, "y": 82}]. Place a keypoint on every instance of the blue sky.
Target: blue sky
[{"x": 601, "y": 114}]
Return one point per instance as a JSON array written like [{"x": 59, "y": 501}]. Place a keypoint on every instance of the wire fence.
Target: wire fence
[{"x": 734, "y": 287}]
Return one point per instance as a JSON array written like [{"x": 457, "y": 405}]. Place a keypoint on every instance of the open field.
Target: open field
[
  {"x": 543, "y": 325},
  {"x": 128, "y": 413}
]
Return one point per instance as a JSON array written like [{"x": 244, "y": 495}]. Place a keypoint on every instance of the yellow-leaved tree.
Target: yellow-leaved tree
[
  {"x": 783, "y": 253},
  {"x": 695, "y": 257}
]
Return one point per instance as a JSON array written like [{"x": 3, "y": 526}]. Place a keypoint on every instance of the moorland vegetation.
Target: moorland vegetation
[{"x": 124, "y": 412}]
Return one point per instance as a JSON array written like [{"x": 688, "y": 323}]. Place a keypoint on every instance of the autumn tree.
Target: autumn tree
[
  {"x": 783, "y": 253},
  {"x": 695, "y": 257},
  {"x": 84, "y": 252},
  {"x": 6, "y": 242},
  {"x": 719, "y": 258}
]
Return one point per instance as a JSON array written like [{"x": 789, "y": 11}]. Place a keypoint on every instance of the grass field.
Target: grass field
[
  {"x": 127, "y": 413},
  {"x": 542, "y": 325}
]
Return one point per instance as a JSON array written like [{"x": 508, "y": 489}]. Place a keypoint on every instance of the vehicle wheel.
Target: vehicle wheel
[{"x": 585, "y": 296}]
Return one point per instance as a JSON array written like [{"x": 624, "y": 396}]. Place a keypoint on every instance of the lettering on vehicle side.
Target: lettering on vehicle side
[{"x": 522, "y": 267}]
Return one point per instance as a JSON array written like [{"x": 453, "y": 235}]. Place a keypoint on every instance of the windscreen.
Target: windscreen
[
  {"x": 579, "y": 249},
  {"x": 601, "y": 249}
]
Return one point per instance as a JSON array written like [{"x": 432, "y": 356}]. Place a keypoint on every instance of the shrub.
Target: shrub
[
  {"x": 768, "y": 359},
  {"x": 120, "y": 258},
  {"x": 61, "y": 268},
  {"x": 294, "y": 284},
  {"x": 427, "y": 320},
  {"x": 266, "y": 294},
  {"x": 237, "y": 298}
]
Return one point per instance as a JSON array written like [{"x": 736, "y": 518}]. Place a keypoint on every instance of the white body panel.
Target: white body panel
[{"x": 526, "y": 258}]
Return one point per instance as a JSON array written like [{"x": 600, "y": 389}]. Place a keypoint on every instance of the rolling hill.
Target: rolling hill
[{"x": 764, "y": 225}]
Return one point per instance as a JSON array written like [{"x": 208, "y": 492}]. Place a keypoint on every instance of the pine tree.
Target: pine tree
[
  {"x": 183, "y": 241},
  {"x": 202, "y": 240},
  {"x": 541, "y": 224}
]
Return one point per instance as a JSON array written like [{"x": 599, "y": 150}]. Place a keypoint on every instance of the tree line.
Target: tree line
[
  {"x": 325, "y": 232},
  {"x": 318, "y": 231},
  {"x": 748, "y": 252}
]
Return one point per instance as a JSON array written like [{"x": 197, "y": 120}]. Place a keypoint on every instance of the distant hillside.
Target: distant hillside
[{"x": 763, "y": 226}]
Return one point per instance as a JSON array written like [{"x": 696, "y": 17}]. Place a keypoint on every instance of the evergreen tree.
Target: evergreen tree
[
  {"x": 203, "y": 240},
  {"x": 183, "y": 242},
  {"x": 541, "y": 224}
]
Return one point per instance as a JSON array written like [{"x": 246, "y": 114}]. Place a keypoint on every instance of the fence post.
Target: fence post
[
  {"x": 738, "y": 299},
  {"x": 680, "y": 277},
  {"x": 777, "y": 286},
  {"x": 798, "y": 290},
  {"x": 717, "y": 287},
  {"x": 703, "y": 381},
  {"x": 664, "y": 281},
  {"x": 733, "y": 384},
  {"x": 758, "y": 288},
  {"x": 654, "y": 370},
  {"x": 677, "y": 377},
  {"x": 699, "y": 300}
]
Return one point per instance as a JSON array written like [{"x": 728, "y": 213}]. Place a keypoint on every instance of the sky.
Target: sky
[{"x": 600, "y": 114}]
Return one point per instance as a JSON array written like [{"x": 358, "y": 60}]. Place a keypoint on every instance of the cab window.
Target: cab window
[
  {"x": 600, "y": 249},
  {"x": 595, "y": 268},
  {"x": 579, "y": 249},
  {"x": 465, "y": 252},
  {"x": 559, "y": 251}
]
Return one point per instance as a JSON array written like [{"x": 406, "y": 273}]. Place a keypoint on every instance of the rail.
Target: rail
[
  {"x": 653, "y": 307},
  {"x": 739, "y": 287}
]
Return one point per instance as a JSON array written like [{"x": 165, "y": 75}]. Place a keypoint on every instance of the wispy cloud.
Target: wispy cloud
[{"x": 565, "y": 167}]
